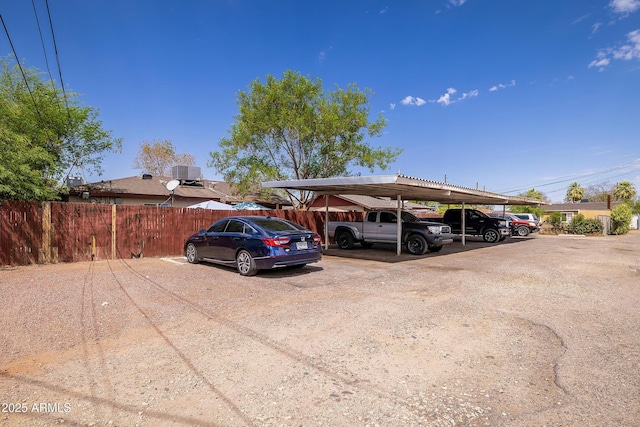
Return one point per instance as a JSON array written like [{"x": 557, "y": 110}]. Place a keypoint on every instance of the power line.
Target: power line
[
  {"x": 635, "y": 164},
  {"x": 55, "y": 48},
  {"x": 24, "y": 77},
  {"x": 46, "y": 58}
]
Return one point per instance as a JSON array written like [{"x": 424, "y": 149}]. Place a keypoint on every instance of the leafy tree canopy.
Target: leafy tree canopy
[
  {"x": 600, "y": 192},
  {"x": 158, "y": 157},
  {"x": 624, "y": 191},
  {"x": 531, "y": 194},
  {"x": 43, "y": 137},
  {"x": 575, "y": 192},
  {"x": 289, "y": 128}
]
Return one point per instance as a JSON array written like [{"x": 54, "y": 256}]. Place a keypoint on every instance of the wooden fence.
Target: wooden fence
[{"x": 70, "y": 232}]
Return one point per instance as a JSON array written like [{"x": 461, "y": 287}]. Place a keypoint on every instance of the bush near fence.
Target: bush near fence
[{"x": 70, "y": 232}]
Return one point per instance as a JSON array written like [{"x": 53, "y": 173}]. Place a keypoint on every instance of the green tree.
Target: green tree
[
  {"x": 621, "y": 219},
  {"x": 624, "y": 191},
  {"x": 575, "y": 192},
  {"x": 158, "y": 157},
  {"x": 535, "y": 209},
  {"x": 43, "y": 137},
  {"x": 289, "y": 128},
  {"x": 634, "y": 205}
]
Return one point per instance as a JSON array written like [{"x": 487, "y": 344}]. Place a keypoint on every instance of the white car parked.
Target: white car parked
[{"x": 529, "y": 217}]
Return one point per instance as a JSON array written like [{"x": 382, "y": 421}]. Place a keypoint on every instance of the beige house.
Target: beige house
[
  {"x": 152, "y": 190},
  {"x": 588, "y": 209}
]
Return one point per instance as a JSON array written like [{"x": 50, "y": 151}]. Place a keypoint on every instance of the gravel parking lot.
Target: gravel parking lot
[{"x": 539, "y": 331}]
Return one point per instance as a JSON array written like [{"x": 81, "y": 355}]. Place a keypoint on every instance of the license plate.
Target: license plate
[{"x": 302, "y": 245}]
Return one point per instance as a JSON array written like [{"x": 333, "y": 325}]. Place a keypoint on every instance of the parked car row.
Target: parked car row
[
  {"x": 253, "y": 243},
  {"x": 521, "y": 224}
]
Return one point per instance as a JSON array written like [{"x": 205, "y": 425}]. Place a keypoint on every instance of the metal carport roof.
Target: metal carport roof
[
  {"x": 401, "y": 187},
  {"x": 406, "y": 187}
]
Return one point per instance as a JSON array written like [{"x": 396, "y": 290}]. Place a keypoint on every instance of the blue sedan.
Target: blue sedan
[{"x": 253, "y": 243}]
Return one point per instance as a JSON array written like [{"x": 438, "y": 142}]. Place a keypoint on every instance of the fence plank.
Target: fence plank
[{"x": 20, "y": 232}]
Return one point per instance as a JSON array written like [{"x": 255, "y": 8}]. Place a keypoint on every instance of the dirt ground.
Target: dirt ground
[{"x": 540, "y": 331}]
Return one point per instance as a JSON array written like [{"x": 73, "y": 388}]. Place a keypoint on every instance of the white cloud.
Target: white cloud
[
  {"x": 624, "y": 7},
  {"x": 457, "y": 2},
  {"x": 448, "y": 98},
  {"x": 392, "y": 106},
  {"x": 502, "y": 86},
  {"x": 580, "y": 19},
  {"x": 600, "y": 63},
  {"x": 410, "y": 100},
  {"x": 323, "y": 54},
  {"x": 471, "y": 94},
  {"x": 626, "y": 52},
  {"x": 631, "y": 50},
  {"x": 385, "y": 10}
]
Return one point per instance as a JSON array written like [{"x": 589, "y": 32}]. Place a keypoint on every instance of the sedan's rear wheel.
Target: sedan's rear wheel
[
  {"x": 246, "y": 264},
  {"x": 192, "y": 253}
]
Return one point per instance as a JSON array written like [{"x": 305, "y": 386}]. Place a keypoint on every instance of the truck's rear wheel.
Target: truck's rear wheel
[
  {"x": 344, "y": 240},
  {"x": 523, "y": 231},
  {"x": 491, "y": 235},
  {"x": 416, "y": 244}
]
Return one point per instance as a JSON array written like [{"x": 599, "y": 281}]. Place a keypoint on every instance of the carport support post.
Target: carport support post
[
  {"x": 399, "y": 226},
  {"x": 463, "y": 225},
  {"x": 326, "y": 222}
]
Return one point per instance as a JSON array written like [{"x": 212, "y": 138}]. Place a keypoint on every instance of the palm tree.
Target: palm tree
[
  {"x": 624, "y": 191},
  {"x": 575, "y": 192}
]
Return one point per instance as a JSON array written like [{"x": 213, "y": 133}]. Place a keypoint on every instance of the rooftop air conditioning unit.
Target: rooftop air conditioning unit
[
  {"x": 74, "y": 181},
  {"x": 188, "y": 173}
]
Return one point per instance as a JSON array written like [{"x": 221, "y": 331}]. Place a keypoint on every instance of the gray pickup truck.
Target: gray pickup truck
[{"x": 381, "y": 227}]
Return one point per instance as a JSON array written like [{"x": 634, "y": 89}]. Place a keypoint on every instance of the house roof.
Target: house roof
[
  {"x": 155, "y": 186},
  {"x": 575, "y": 207},
  {"x": 369, "y": 202}
]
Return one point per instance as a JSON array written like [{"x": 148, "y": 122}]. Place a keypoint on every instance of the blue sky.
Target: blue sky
[{"x": 503, "y": 94}]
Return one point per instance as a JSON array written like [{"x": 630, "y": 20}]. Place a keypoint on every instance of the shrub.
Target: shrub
[
  {"x": 582, "y": 225},
  {"x": 621, "y": 219},
  {"x": 555, "y": 219}
]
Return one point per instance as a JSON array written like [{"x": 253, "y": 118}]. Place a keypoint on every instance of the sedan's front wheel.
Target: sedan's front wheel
[
  {"x": 192, "y": 253},
  {"x": 246, "y": 264}
]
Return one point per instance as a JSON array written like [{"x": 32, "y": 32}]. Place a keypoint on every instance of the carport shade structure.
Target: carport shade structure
[{"x": 402, "y": 188}]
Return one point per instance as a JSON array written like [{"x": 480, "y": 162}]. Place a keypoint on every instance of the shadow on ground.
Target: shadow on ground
[{"x": 386, "y": 252}]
